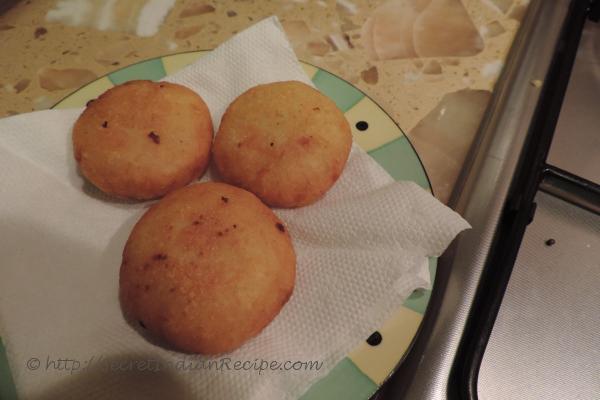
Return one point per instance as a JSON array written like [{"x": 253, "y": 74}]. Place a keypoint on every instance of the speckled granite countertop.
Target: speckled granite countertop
[{"x": 431, "y": 64}]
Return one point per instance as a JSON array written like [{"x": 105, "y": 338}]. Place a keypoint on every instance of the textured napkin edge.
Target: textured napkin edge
[{"x": 389, "y": 301}]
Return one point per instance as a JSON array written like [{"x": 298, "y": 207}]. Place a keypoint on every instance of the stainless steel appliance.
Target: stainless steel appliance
[{"x": 515, "y": 309}]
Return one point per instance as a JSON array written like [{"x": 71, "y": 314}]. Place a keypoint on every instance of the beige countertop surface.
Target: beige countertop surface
[{"x": 430, "y": 64}]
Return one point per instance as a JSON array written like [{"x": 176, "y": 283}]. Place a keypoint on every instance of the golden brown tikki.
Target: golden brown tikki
[
  {"x": 207, "y": 268},
  {"x": 285, "y": 141},
  {"x": 142, "y": 139}
]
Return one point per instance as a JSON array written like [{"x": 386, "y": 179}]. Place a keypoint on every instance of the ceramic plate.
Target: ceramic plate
[{"x": 358, "y": 375}]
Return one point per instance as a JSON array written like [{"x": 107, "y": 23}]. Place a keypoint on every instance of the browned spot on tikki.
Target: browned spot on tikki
[
  {"x": 299, "y": 198},
  {"x": 105, "y": 124},
  {"x": 154, "y": 137},
  {"x": 224, "y": 199},
  {"x": 280, "y": 226},
  {"x": 305, "y": 140},
  {"x": 159, "y": 257}
]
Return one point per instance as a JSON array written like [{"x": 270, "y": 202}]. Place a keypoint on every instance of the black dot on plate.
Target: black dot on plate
[
  {"x": 550, "y": 242},
  {"x": 374, "y": 339},
  {"x": 362, "y": 125}
]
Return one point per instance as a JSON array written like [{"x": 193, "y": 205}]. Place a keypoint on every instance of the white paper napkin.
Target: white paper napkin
[{"x": 361, "y": 252}]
